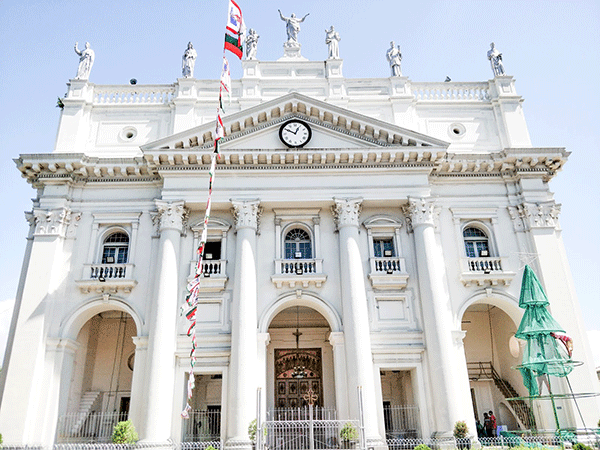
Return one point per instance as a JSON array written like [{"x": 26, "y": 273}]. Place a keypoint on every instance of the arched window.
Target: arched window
[
  {"x": 115, "y": 249},
  {"x": 297, "y": 244},
  {"x": 476, "y": 243}
]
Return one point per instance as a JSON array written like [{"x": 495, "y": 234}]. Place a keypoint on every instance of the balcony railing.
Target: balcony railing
[
  {"x": 202, "y": 425},
  {"x": 109, "y": 277},
  {"x": 485, "y": 270},
  {"x": 298, "y": 271},
  {"x": 388, "y": 272},
  {"x": 214, "y": 274}
]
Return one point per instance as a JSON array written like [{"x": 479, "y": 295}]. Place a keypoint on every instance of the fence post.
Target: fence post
[
  {"x": 259, "y": 430},
  {"x": 361, "y": 412},
  {"x": 312, "y": 426}
]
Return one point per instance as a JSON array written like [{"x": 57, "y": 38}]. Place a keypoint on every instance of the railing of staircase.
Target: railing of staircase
[{"x": 94, "y": 427}]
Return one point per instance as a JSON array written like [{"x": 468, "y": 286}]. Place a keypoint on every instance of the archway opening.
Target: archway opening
[
  {"x": 492, "y": 352},
  {"x": 100, "y": 390},
  {"x": 299, "y": 365},
  {"x": 400, "y": 411}
]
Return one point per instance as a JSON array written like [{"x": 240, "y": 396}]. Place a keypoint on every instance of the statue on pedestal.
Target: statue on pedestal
[
  {"x": 394, "y": 57},
  {"x": 188, "y": 61},
  {"x": 495, "y": 58},
  {"x": 251, "y": 44},
  {"x": 332, "y": 39},
  {"x": 292, "y": 27},
  {"x": 86, "y": 61}
]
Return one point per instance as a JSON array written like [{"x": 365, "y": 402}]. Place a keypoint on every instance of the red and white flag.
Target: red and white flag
[{"x": 234, "y": 18}]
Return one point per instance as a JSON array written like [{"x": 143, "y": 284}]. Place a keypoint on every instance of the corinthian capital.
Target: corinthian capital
[
  {"x": 246, "y": 213},
  {"x": 171, "y": 215},
  {"x": 539, "y": 215},
  {"x": 346, "y": 211},
  {"x": 53, "y": 222},
  {"x": 419, "y": 211}
]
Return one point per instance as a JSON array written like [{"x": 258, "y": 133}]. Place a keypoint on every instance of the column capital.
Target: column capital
[
  {"x": 56, "y": 222},
  {"x": 346, "y": 211},
  {"x": 419, "y": 211},
  {"x": 535, "y": 215},
  {"x": 246, "y": 213},
  {"x": 171, "y": 215},
  {"x": 336, "y": 338}
]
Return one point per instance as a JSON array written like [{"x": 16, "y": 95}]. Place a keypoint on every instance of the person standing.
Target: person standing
[
  {"x": 494, "y": 426},
  {"x": 487, "y": 425}
]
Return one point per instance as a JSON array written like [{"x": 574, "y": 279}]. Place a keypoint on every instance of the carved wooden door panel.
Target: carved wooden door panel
[{"x": 289, "y": 390}]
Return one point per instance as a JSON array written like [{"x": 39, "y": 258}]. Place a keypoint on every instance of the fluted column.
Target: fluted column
[
  {"x": 437, "y": 315},
  {"x": 162, "y": 337},
  {"x": 242, "y": 379},
  {"x": 357, "y": 337}
]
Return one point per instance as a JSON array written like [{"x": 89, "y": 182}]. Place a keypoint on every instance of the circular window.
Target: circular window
[
  {"x": 456, "y": 130},
  {"x": 128, "y": 133}
]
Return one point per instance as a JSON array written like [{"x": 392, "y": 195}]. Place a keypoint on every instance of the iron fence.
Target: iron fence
[
  {"x": 87, "y": 428},
  {"x": 401, "y": 421},
  {"x": 202, "y": 426},
  {"x": 308, "y": 434}
]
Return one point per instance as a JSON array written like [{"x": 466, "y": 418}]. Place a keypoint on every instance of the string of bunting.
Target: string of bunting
[{"x": 233, "y": 43}]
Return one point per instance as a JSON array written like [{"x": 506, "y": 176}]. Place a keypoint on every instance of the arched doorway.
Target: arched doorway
[
  {"x": 100, "y": 391},
  {"x": 299, "y": 359},
  {"x": 492, "y": 353}
]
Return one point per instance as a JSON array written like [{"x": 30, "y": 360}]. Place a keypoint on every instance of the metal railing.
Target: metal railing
[
  {"x": 202, "y": 426},
  {"x": 84, "y": 428},
  {"x": 401, "y": 421},
  {"x": 307, "y": 434},
  {"x": 301, "y": 413}
]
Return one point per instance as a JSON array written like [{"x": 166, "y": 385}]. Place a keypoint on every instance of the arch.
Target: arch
[
  {"x": 506, "y": 302},
  {"x": 307, "y": 299},
  {"x": 78, "y": 318}
]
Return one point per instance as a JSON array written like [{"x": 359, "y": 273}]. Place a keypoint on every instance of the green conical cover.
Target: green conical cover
[{"x": 532, "y": 292}]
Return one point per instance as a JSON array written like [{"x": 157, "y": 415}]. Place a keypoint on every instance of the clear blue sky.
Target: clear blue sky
[{"x": 552, "y": 48}]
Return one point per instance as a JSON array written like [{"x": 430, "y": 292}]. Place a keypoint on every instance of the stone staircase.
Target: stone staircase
[
  {"x": 521, "y": 410},
  {"x": 86, "y": 406}
]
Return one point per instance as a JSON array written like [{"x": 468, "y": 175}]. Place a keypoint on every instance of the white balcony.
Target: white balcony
[
  {"x": 107, "y": 278},
  {"x": 485, "y": 271},
  {"x": 388, "y": 273},
  {"x": 298, "y": 272},
  {"x": 214, "y": 275}
]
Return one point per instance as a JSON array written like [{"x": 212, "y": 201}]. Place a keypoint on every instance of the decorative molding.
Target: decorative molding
[
  {"x": 246, "y": 214},
  {"x": 56, "y": 222},
  {"x": 420, "y": 211},
  {"x": 171, "y": 215},
  {"x": 535, "y": 215},
  {"x": 346, "y": 212}
]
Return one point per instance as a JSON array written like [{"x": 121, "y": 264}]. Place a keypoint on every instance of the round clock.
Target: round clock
[{"x": 295, "y": 133}]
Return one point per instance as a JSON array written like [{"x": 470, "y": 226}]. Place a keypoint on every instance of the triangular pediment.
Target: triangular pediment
[{"x": 332, "y": 127}]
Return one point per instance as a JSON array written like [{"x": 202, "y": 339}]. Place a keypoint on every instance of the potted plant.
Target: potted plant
[
  {"x": 348, "y": 435},
  {"x": 124, "y": 433},
  {"x": 461, "y": 434}
]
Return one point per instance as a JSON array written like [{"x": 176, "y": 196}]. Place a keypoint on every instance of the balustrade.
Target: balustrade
[
  {"x": 109, "y": 271},
  {"x": 484, "y": 265},
  {"x": 387, "y": 265},
  {"x": 298, "y": 266},
  {"x": 451, "y": 91},
  {"x": 133, "y": 94}
]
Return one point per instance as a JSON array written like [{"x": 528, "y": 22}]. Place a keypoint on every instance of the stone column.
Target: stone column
[
  {"x": 242, "y": 380},
  {"x": 162, "y": 336},
  {"x": 336, "y": 339},
  {"x": 357, "y": 335},
  {"x": 437, "y": 315}
]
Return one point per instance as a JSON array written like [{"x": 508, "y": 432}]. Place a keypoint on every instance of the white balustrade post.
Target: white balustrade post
[
  {"x": 162, "y": 337},
  {"x": 437, "y": 315},
  {"x": 357, "y": 335},
  {"x": 242, "y": 383}
]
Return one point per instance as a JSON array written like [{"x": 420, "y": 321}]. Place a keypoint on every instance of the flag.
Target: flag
[
  {"x": 226, "y": 79},
  {"x": 234, "y": 18},
  {"x": 220, "y": 130},
  {"x": 234, "y": 45}
]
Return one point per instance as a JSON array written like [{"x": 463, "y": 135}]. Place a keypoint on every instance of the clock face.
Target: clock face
[{"x": 295, "y": 133}]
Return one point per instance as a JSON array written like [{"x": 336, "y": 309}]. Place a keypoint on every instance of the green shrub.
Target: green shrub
[
  {"x": 252, "y": 431},
  {"x": 460, "y": 430},
  {"x": 422, "y": 447},
  {"x": 0, "y": 438},
  {"x": 348, "y": 432},
  {"x": 210, "y": 447},
  {"x": 580, "y": 446},
  {"x": 124, "y": 433}
]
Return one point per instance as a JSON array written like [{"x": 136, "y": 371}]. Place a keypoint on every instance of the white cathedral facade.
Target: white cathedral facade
[{"x": 366, "y": 235}]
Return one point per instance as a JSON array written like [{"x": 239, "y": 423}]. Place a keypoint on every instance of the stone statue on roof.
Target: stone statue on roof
[
  {"x": 394, "y": 57},
  {"x": 251, "y": 44},
  {"x": 332, "y": 39},
  {"x": 495, "y": 58},
  {"x": 292, "y": 26},
  {"x": 86, "y": 61},
  {"x": 188, "y": 61}
]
